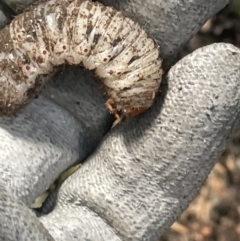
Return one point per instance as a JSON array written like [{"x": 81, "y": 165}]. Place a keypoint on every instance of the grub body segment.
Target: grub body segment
[{"x": 84, "y": 33}]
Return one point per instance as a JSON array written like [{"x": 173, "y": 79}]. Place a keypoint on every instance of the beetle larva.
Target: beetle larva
[{"x": 78, "y": 32}]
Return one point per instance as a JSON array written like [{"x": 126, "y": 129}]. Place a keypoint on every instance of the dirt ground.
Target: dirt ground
[{"x": 214, "y": 215}]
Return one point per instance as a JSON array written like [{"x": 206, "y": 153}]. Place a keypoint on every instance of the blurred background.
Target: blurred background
[{"x": 214, "y": 215}]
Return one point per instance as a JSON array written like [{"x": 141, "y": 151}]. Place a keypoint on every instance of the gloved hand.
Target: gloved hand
[{"x": 146, "y": 170}]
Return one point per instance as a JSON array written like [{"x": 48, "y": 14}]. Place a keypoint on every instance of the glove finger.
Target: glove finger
[
  {"x": 32, "y": 228},
  {"x": 52, "y": 133},
  {"x": 149, "y": 168}
]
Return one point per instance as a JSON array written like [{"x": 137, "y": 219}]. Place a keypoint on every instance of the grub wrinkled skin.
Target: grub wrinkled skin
[{"x": 83, "y": 33}]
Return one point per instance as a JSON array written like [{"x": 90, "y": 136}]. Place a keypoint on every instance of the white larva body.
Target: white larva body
[{"x": 78, "y": 32}]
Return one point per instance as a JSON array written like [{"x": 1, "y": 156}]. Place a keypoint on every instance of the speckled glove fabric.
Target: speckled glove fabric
[
  {"x": 5, "y": 14},
  {"x": 141, "y": 174}
]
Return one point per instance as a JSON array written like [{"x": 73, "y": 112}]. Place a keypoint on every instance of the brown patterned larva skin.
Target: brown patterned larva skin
[{"x": 82, "y": 33}]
